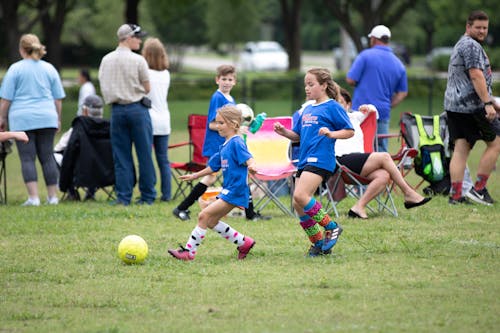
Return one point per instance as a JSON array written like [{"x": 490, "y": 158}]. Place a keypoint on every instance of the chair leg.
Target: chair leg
[{"x": 270, "y": 196}]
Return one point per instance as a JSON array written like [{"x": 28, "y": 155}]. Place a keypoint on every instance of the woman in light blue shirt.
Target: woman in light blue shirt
[{"x": 32, "y": 96}]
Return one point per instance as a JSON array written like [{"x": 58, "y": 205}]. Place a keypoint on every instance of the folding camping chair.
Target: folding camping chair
[
  {"x": 345, "y": 176},
  {"x": 411, "y": 136},
  {"x": 271, "y": 154},
  {"x": 88, "y": 159},
  {"x": 196, "y": 128},
  {"x": 5, "y": 148},
  {"x": 406, "y": 154}
]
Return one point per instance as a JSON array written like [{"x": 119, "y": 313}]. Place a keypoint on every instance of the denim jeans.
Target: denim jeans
[
  {"x": 160, "y": 143},
  {"x": 131, "y": 124},
  {"x": 383, "y": 128}
]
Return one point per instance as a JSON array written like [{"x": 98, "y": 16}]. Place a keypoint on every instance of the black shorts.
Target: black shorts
[
  {"x": 354, "y": 161},
  {"x": 471, "y": 127},
  {"x": 325, "y": 174}
]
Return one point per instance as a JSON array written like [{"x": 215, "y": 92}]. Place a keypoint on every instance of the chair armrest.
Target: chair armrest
[
  {"x": 405, "y": 152},
  {"x": 388, "y": 136},
  {"x": 180, "y": 144}
]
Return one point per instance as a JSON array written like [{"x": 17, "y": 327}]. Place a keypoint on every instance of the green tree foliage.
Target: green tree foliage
[
  {"x": 179, "y": 21},
  {"x": 230, "y": 22}
]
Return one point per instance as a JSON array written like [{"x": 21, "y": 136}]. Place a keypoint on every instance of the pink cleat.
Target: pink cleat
[
  {"x": 245, "y": 248},
  {"x": 181, "y": 254}
]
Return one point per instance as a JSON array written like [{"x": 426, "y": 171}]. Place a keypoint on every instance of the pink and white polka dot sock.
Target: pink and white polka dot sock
[
  {"x": 229, "y": 233},
  {"x": 197, "y": 236}
]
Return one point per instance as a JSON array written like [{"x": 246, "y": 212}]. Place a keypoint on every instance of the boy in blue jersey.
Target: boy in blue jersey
[
  {"x": 225, "y": 80},
  {"x": 319, "y": 125},
  {"x": 235, "y": 161}
]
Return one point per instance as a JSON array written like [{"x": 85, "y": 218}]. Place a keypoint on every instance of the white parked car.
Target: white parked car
[{"x": 263, "y": 56}]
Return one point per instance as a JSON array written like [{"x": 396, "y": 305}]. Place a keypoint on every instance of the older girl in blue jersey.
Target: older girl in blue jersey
[
  {"x": 318, "y": 127},
  {"x": 235, "y": 161}
]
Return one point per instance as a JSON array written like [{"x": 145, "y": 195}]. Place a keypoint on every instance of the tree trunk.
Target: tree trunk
[
  {"x": 11, "y": 28},
  {"x": 132, "y": 11},
  {"x": 291, "y": 22}
]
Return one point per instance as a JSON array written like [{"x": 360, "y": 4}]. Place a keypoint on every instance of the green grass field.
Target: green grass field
[{"x": 432, "y": 269}]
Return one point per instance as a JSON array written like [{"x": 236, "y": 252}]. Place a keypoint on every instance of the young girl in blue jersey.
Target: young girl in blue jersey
[
  {"x": 235, "y": 161},
  {"x": 319, "y": 125}
]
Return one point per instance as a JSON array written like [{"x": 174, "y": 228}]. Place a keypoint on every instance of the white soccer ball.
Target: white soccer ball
[{"x": 246, "y": 114}]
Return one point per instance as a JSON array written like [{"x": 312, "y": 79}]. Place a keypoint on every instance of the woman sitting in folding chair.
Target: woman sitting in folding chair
[{"x": 378, "y": 167}]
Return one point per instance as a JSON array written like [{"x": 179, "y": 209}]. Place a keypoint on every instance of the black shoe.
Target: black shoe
[
  {"x": 409, "y": 205},
  {"x": 73, "y": 195},
  {"x": 89, "y": 197},
  {"x": 315, "y": 251},
  {"x": 459, "y": 201},
  {"x": 257, "y": 217},
  {"x": 181, "y": 214},
  {"x": 355, "y": 215},
  {"x": 481, "y": 196}
]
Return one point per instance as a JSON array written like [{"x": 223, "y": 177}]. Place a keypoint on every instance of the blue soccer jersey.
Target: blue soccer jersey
[
  {"x": 231, "y": 158},
  {"x": 212, "y": 138},
  {"x": 379, "y": 74},
  {"x": 319, "y": 150}
]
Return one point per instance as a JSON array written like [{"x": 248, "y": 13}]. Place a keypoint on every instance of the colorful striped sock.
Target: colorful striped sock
[
  {"x": 312, "y": 229},
  {"x": 318, "y": 214}
]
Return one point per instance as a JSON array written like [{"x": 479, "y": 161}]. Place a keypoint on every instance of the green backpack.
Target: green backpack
[{"x": 430, "y": 161}]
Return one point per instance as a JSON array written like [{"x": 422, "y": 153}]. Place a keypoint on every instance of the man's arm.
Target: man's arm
[
  {"x": 147, "y": 86},
  {"x": 479, "y": 83},
  {"x": 398, "y": 98},
  {"x": 350, "y": 82}
]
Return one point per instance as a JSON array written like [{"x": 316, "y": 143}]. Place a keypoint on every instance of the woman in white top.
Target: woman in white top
[
  {"x": 86, "y": 89},
  {"x": 378, "y": 167},
  {"x": 159, "y": 77}
]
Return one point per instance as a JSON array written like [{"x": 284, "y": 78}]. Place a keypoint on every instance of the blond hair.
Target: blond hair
[
  {"x": 231, "y": 115},
  {"x": 224, "y": 70},
  {"x": 30, "y": 44},
  {"x": 155, "y": 54},
  {"x": 323, "y": 76}
]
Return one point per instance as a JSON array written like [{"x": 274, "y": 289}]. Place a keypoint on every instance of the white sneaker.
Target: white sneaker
[
  {"x": 32, "y": 202},
  {"x": 52, "y": 200}
]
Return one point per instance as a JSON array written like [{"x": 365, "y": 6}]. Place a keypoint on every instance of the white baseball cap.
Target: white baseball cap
[{"x": 380, "y": 31}]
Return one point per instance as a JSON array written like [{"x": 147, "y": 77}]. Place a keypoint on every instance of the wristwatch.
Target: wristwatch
[{"x": 488, "y": 103}]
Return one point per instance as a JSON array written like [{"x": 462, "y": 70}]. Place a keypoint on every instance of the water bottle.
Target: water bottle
[{"x": 257, "y": 122}]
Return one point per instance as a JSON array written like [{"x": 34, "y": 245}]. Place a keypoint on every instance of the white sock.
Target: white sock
[
  {"x": 229, "y": 233},
  {"x": 197, "y": 236}
]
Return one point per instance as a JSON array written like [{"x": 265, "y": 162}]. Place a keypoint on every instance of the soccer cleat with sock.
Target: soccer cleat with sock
[
  {"x": 480, "y": 196},
  {"x": 181, "y": 214},
  {"x": 181, "y": 254},
  {"x": 330, "y": 238},
  {"x": 245, "y": 248}
]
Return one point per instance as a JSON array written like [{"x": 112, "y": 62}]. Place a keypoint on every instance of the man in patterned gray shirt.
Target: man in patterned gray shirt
[{"x": 471, "y": 110}]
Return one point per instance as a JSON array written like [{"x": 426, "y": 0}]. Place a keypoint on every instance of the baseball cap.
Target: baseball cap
[
  {"x": 380, "y": 31},
  {"x": 130, "y": 30},
  {"x": 93, "y": 101}
]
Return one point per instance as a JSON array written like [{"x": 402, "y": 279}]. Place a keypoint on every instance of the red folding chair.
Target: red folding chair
[{"x": 196, "y": 128}]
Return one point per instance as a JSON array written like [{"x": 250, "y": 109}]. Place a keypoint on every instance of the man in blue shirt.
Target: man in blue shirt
[{"x": 379, "y": 78}]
